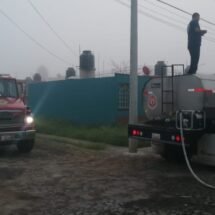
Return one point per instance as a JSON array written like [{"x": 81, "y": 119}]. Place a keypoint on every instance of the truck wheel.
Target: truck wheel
[{"x": 25, "y": 146}]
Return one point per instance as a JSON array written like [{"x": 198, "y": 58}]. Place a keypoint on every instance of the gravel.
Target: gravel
[{"x": 60, "y": 179}]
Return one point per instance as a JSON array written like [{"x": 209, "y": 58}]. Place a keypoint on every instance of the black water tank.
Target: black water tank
[
  {"x": 70, "y": 72},
  {"x": 160, "y": 68},
  {"x": 87, "y": 61}
]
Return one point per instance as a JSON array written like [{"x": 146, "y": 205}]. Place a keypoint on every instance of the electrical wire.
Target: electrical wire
[
  {"x": 181, "y": 22},
  {"x": 152, "y": 16},
  {"x": 161, "y": 14},
  {"x": 32, "y": 38},
  {"x": 178, "y": 27},
  {"x": 171, "y": 12},
  {"x": 211, "y": 39},
  {"x": 184, "y": 11},
  {"x": 163, "y": 8},
  {"x": 50, "y": 27},
  {"x": 187, "y": 160}
]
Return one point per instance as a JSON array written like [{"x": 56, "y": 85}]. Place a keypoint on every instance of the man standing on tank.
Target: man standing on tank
[{"x": 194, "y": 42}]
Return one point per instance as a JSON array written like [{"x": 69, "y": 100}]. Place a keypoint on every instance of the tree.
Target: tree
[
  {"x": 28, "y": 80},
  {"x": 121, "y": 67},
  {"x": 59, "y": 77},
  {"x": 37, "y": 77},
  {"x": 43, "y": 71},
  {"x": 70, "y": 72}
]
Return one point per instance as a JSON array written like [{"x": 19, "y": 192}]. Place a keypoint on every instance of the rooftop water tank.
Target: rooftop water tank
[
  {"x": 87, "y": 61},
  {"x": 160, "y": 68}
]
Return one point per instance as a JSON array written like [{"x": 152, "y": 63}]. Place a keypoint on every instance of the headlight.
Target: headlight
[{"x": 29, "y": 120}]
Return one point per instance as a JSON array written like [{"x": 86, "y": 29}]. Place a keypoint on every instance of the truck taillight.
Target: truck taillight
[
  {"x": 134, "y": 132},
  {"x": 137, "y": 133},
  {"x": 177, "y": 138}
]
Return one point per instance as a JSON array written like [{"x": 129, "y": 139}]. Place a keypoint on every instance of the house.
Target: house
[{"x": 92, "y": 101}]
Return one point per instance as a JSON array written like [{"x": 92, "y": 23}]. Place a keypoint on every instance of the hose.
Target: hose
[{"x": 187, "y": 160}]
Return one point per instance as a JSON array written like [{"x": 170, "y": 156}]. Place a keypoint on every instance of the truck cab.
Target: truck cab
[{"x": 16, "y": 120}]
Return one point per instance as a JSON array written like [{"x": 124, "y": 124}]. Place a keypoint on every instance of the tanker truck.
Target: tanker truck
[{"x": 165, "y": 98}]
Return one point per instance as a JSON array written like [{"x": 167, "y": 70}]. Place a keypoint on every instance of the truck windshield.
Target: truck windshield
[{"x": 8, "y": 88}]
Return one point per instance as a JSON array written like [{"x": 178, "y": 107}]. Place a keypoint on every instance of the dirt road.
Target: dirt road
[{"x": 57, "y": 179}]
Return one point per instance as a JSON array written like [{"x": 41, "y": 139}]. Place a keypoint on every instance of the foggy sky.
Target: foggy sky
[{"x": 99, "y": 25}]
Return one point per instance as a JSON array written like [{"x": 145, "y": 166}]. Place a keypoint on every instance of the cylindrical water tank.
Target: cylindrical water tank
[
  {"x": 160, "y": 68},
  {"x": 87, "y": 61},
  {"x": 70, "y": 72}
]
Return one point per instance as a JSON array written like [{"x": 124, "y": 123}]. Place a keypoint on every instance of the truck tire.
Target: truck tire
[{"x": 25, "y": 146}]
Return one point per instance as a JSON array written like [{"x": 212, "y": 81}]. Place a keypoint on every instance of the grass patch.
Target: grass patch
[{"x": 113, "y": 135}]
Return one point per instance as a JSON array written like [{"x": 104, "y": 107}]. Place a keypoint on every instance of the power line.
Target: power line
[
  {"x": 51, "y": 28},
  {"x": 211, "y": 39},
  {"x": 163, "y": 8},
  {"x": 154, "y": 11},
  {"x": 152, "y": 16},
  {"x": 31, "y": 38},
  {"x": 184, "y": 11},
  {"x": 178, "y": 27},
  {"x": 171, "y": 12}
]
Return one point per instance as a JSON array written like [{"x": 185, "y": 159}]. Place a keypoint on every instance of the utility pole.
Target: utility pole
[{"x": 133, "y": 113}]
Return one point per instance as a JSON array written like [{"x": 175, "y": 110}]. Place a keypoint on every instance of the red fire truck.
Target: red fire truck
[{"x": 16, "y": 120}]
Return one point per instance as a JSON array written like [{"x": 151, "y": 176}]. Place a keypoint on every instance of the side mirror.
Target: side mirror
[{"x": 28, "y": 109}]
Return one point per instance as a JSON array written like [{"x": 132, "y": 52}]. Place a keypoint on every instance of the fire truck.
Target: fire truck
[
  {"x": 16, "y": 120},
  {"x": 165, "y": 99}
]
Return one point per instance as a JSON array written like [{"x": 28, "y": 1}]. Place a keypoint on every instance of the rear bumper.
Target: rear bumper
[
  {"x": 162, "y": 134},
  {"x": 16, "y": 136}
]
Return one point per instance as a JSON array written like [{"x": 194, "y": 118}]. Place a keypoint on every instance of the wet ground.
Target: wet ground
[{"x": 58, "y": 178}]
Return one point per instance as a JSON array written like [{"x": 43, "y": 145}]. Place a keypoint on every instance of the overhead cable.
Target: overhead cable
[
  {"x": 51, "y": 27},
  {"x": 32, "y": 38},
  {"x": 161, "y": 14},
  {"x": 152, "y": 16},
  {"x": 184, "y": 11},
  {"x": 178, "y": 27},
  {"x": 163, "y": 8},
  {"x": 171, "y": 12}
]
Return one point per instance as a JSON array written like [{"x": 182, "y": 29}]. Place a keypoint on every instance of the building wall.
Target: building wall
[
  {"x": 122, "y": 115},
  {"x": 85, "y": 101}
]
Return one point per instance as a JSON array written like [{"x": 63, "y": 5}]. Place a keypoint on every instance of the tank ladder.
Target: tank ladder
[{"x": 170, "y": 91}]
